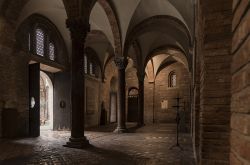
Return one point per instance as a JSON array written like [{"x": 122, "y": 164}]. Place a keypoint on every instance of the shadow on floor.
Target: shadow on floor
[
  {"x": 15, "y": 153},
  {"x": 132, "y": 127}
]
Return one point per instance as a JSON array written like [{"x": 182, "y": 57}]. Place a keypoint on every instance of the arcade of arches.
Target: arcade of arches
[{"x": 106, "y": 74}]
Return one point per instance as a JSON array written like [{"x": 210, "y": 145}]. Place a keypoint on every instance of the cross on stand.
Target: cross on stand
[{"x": 177, "y": 123}]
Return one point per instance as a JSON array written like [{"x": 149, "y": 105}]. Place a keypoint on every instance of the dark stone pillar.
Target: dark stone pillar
[
  {"x": 141, "y": 101},
  {"x": 79, "y": 29},
  {"x": 121, "y": 63}
]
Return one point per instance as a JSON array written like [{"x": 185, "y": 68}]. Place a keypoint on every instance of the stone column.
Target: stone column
[
  {"x": 78, "y": 28},
  {"x": 121, "y": 63},
  {"x": 141, "y": 100}
]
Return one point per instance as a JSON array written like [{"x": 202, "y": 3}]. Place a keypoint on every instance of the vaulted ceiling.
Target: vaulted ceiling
[{"x": 118, "y": 24}]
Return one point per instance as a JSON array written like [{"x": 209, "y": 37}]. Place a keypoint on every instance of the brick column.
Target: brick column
[
  {"x": 240, "y": 69},
  {"x": 141, "y": 100},
  {"x": 79, "y": 29},
  {"x": 121, "y": 63},
  {"x": 215, "y": 81}
]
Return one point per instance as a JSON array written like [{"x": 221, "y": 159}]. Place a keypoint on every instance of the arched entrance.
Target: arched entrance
[
  {"x": 46, "y": 102},
  {"x": 113, "y": 100},
  {"x": 132, "y": 115}
]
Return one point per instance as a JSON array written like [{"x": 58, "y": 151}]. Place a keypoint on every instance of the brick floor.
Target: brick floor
[{"x": 144, "y": 146}]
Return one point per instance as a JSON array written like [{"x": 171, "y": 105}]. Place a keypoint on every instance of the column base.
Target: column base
[
  {"x": 121, "y": 130},
  {"x": 77, "y": 143}
]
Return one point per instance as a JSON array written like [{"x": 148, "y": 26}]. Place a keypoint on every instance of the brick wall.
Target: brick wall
[
  {"x": 240, "y": 120},
  {"x": 156, "y": 93},
  {"x": 196, "y": 109},
  {"x": 148, "y": 101},
  {"x": 214, "y": 50},
  {"x": 14, "y": 76}
]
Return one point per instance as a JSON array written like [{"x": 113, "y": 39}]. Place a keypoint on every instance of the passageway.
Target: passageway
[{"x": 146, "y": 145}]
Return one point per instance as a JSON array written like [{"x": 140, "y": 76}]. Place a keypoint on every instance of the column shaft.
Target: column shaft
[
  {"x": 78, "y": 29},
  {"x": 121, "y": 63},
  {"x": 141, "y": 103}
]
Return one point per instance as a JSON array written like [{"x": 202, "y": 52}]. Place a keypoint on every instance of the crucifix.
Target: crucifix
[{"x": 177, "y": 123}]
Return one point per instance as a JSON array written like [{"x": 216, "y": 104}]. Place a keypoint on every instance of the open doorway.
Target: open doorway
[
  {"x": 46, "y": 102},
  {"x": 133, "y": 96}
]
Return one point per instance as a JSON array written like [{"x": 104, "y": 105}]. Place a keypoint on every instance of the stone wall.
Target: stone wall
[
  {"x": 240, "y": 109},
  {"x": 214, "y": 22},
  {"x": 156, "y": 93},
  {"x": 92, "y": 100}
]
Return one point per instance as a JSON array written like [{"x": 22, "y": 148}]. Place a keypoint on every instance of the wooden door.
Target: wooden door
[
  {"x": 132, "y": 109},
  {"x": 34, "y": 100}
]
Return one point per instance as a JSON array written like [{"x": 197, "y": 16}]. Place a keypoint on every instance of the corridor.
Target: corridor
[{"x": 148, "y": 145}]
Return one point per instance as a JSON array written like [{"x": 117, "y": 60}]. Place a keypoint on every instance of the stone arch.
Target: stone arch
[
  {"x": 130, "y": 90},
  {"x": 29, "y": 25},
  {"x": 148, "y": 25},
  {"x": 138, "y": 56},
  {"x": 150, "y": 71},
  {"x": 163, "y": 50},
  {"x": 109, "y": 58},
  {"x": 113, "y": 19},
  {"x": 164, "y": 65},
  {"x": 8, "y": 6}
]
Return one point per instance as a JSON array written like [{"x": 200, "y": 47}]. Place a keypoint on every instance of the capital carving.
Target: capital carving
[
  {"x": 79, "y": 28},
  {"x": 121, "y": 62}
]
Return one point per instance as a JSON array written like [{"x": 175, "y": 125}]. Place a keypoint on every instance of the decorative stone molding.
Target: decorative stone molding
[{"x": 121, "y": 62}]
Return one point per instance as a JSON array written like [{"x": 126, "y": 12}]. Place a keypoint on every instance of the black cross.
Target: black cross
[{"x": 177, "y": 122}]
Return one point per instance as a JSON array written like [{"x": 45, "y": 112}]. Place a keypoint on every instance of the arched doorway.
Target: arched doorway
[
  {"x": 133, "y": 96},
  {"x": 46, "y": 102},
  {"x": 113, "y": 100}
]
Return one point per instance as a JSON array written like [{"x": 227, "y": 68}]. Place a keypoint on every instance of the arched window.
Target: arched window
[
  {"x": 172, "y": 79},
  {"x": 91, "y": 71},
  {"x": 51, "y": 51},
  {"x": 85, "y": 64},
  {"x": 91, "y": 66},
  {"x": 39, "y": 42},
  {"x": 44, "y": 43}
]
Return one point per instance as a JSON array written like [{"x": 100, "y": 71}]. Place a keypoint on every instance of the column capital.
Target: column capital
[
  {"x": 79, "y": 28},
  {"x": 121, "y": 62}
]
